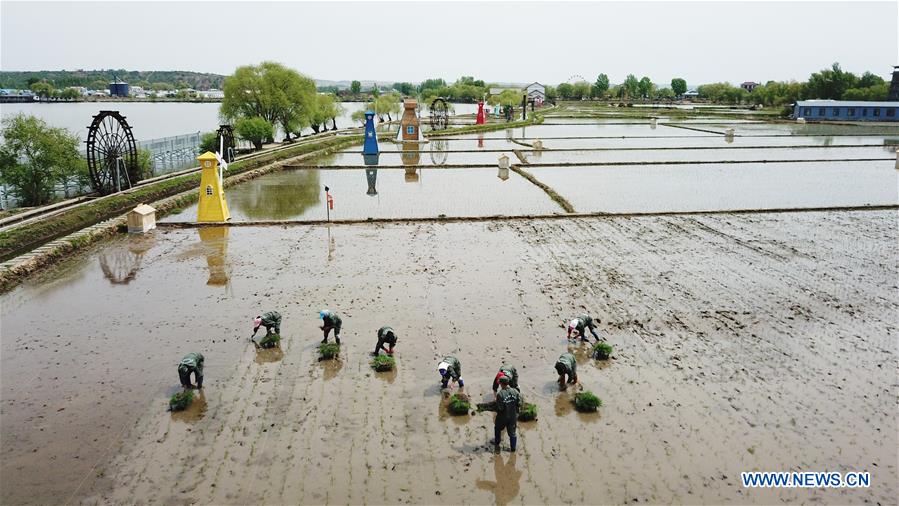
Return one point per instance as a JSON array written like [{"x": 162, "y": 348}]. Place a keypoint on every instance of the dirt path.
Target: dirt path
[{"x": 750, "y": 342}]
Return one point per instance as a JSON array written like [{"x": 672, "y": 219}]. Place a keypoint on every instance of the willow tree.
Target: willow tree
[
  {"x": 507, "y": 97},
  {"x": 326, "y": 109},
  {"x": 270, "y": 91}
]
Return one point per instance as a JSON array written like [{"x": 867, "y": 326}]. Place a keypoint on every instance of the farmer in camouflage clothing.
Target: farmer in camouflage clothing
[
  {"x": 506, "y": 370},
  {"x": 270, "y": 320},
  {"x": 566, "y": 365},
  {"x": 579, "y": 326},
  {"x": 508, "y": 404},
  {"x": 450, "y": 369},
  {"x": 386, "y": 335},
  {"x": 191, "y": 363},
  {"x": 330, "y": 320}
]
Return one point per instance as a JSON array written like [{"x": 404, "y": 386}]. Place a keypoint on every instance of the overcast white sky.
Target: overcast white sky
[{"x": 411, "y": 41}]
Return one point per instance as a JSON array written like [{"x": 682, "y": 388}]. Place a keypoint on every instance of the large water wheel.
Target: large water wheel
[
  {"x": 111, "y": 153},
  {"x": 224, "y": 140},
  {"x": 439, "y": 114}
]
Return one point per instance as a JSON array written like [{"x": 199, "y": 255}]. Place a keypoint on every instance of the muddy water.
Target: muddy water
[
  {"x": 460, "y": 153},
  {"x": 648, "y": 155},
  {"x": 381, "y": 193},
  {"x": 775, "y": 185},
  {"x": 741, "y": 343}
]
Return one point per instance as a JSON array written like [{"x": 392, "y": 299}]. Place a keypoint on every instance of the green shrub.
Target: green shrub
[
  {"x": 181, "y": 400},
  {"x": 586, "y": 401},
  {"x": 383, "y": 363},
  {"x": 329, "y": 350},
  {"x": 602, "y": 351},
  {"x": 528, "y": 413},
  {"x": 459, "y": 405}
]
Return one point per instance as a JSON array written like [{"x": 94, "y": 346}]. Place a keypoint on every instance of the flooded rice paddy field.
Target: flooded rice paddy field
[
  {"x": 382, "y": 193},
  {"x": 750, "y": 342},
  {"x": 461, "y": 154},
  {"x": 782, "y": 185},
  {"x": 743, "y": 342}
]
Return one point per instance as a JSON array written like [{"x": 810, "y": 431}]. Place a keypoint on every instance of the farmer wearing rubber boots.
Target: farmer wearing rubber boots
[
  {"x": 387, "y": 336},
  {"x": 566, "y": 366},
  {"x": 330, "y": 320},
  {"x": 191, "y": 363},
  {"x": 508, "y": 404},
  {"x": 510, "y": 372},
  {"x": 579, "y": 326},
  {"x": 450, "y": 369}
]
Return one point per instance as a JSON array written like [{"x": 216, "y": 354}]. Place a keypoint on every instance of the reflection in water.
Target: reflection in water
[
  {"x": 503, "y": 174},
  {"x": 121, "y": 263},
  {"x": 388, "y": 376},
  {"x": 438, "y": 151},
  {"x": 507, "y": 478},
  {"x": 564, "y": 402},
  {"x": 480, "y": 140},
  {"x": 194, "y": 412},
  {"x": 278, "y": 196},
  {"x": 331, "y": 368},
  {"x": 371, "y": 175},
  {"x": 269, "y": 355},
  {"x": 215, "y": 247},
  {"x": 411, "y": 175},
  {"x": 366, "y": 159},
  {"x": 331, "y": 245},
  {"x": 411, "y": 154}
]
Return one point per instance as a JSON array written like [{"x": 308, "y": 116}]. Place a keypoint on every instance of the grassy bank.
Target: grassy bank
[{"x": 25, "y": 238}]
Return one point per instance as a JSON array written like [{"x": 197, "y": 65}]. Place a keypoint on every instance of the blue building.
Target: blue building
[
  {"x": 846, "y": 110},
  {"x": 118, "y": 88}
]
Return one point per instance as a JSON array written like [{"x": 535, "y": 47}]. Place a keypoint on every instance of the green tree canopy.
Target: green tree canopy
[
  {"x": 678, "y": 86},
  {"x": 644, "y": 87},
  {"x": 565, "y": 91},
  {"x": 34, "y": 157},
  {"x": 254, "y": 129},
  {"x": 42, "y": 89},
  {"x": 630, "y": 88},
  {"x": 601, "y": 86},
  {"x": 355, "y": 87},
  {"x": 270, "y": 91},
  {"x": 507, "y": 97},
  {"x": 830, "y": 83}
]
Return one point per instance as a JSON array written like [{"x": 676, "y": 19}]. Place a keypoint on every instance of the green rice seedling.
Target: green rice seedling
[
  {"x": 602, "y": 351},
  {"x": 328, "y": 350},
  {"x": 270, "y": 340},
  {"x": 383, "y": 363},
  {"x": 528, "y": 413},
  {"x": 459, "y": 405},
  {"x": 586, "y": 402},
  {"x": 181, "y": 400}
]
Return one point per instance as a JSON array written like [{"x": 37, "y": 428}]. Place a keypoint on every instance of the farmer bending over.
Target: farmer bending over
[
  {"x": 508, "y": 371},
  {"x": 450, "y": 369},
  {"x": 270, "y": 320},
  {"x": 579, "y": 326},
  {"x": 330, "y": 320},
  {"x": 566, "y": 365},
  {"x": 191, "y": 363},
  {"x": 387, "y": 336}
]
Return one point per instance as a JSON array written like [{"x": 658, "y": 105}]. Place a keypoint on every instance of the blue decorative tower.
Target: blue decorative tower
[{"x": 370, "y": 147}]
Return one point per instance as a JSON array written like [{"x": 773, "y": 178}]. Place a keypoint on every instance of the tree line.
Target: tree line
[
  {"x": 100, "y": 79},
  {"x": 832, "y": 83}
]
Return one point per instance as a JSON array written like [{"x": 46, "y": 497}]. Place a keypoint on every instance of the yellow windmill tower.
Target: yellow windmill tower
[{"x": 212, "y": 205}]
